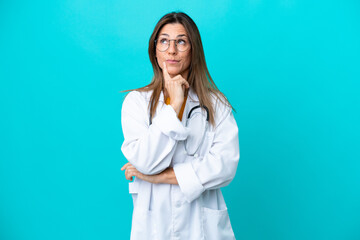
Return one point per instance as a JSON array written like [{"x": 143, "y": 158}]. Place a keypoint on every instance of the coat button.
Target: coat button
[
  {"x": 196, "y": 155},
  {"x": 178, "y": 204}
]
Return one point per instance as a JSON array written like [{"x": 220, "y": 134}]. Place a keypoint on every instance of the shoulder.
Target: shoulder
[
  {"x": 221, "y": 106},
  {"x": 137, "y": 96},
  {"x": 220, "y": 103},
  {"x": 135, "y": 101}
]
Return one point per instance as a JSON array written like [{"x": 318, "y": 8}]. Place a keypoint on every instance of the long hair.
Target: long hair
[{"x": 199, "y": 77}]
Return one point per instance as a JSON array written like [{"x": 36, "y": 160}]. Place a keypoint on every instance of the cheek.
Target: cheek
[
  {"x": 160, "y": 59},
  {"x": 188, "y": 60}
]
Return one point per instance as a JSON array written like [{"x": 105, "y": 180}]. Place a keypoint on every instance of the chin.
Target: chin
[{"x": 173, "y": 72}]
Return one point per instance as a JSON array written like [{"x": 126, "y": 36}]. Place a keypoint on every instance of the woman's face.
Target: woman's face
[{"x": 177, "y": 62}]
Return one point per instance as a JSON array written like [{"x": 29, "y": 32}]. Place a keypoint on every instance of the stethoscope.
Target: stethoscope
[{"x": 187, "y": 124}]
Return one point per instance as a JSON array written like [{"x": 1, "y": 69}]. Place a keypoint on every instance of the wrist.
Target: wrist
[
  {"x": 176, "y": 107},
  {"x": 164, "y": 176},
  {"x": 169, "y": 176}
]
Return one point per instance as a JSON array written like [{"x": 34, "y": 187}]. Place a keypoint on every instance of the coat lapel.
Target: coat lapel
[{"x": 191, "y": 101}]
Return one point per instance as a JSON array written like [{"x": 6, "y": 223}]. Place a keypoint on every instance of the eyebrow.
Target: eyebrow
[{"x": 180, "y": 35}]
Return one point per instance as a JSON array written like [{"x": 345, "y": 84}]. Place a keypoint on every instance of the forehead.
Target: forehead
[{"x": 173, "y": 30}]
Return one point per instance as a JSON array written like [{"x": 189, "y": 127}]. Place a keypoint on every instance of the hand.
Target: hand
[
  {"x": 166, "y": 176},
  {"x": 131, "y": 171},
  {"x": 175, "y": 88}
]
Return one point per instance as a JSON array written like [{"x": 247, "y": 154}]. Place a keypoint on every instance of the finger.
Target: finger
[
  {"x": 182, "y": 81},
  {"x": 186, "y": 83},
  {"x": 130, "y": 178},
  {"x": 131, "y": 168},
  {"x": 125, "y": 166},
  {"x": 134, "y": 173},
  {"x": 129, "y": 174},
  {"x": 179, "y": 76},
  {"x": 165, "y": 72}
]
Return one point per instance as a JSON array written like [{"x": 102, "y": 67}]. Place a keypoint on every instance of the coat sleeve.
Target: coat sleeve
[
  {"x": 216, "y": 168},
  {"x": 149, "y": 148}
]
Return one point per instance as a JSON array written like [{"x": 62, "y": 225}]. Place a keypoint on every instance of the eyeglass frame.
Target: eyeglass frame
[{"x": 170, "y": 43}]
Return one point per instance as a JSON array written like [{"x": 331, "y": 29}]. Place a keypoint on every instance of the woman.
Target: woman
[{"x": 181, "y": 141}]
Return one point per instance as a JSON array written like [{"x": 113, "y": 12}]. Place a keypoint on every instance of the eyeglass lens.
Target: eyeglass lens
[{"x": 182, "y": 44}]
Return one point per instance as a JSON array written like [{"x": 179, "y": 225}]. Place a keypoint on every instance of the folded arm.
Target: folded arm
[{"x": 217, "y": 167}]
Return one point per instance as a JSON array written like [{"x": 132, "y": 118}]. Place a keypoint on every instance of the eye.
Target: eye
[
  {"x": 181, "y": 42},
  {"x": 163, "y": 40}
]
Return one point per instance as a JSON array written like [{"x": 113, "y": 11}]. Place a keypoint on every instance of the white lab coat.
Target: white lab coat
[{"x": 194, "y": 209}]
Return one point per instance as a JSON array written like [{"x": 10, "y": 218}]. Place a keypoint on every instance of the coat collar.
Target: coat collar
[{"x": 192, "y": 96}]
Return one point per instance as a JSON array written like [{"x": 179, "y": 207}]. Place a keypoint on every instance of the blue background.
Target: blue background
[{"x": 291, "y": 69}]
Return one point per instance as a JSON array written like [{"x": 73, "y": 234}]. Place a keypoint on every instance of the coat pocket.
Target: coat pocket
[
  {"x": 216, "y": 224},
  {"x": 134, "y": 190},
  {"x": 142, "y": 226}
]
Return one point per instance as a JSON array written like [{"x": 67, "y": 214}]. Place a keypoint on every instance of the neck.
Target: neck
[{"x": 166, "y": 95}]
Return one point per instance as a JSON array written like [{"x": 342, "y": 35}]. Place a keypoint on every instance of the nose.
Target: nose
[{"x": 172, "y": 48}]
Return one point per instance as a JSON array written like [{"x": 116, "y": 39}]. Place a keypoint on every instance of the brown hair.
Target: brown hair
[{"x": 199, "y": 77}]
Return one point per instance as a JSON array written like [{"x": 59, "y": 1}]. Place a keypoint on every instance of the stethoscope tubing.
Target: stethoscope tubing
[
  {"x": 186, "y": 124},
  {"x": 189, "y": 115}
]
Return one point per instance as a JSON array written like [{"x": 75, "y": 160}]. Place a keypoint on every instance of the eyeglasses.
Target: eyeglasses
[{"x": 181, "y": 44}]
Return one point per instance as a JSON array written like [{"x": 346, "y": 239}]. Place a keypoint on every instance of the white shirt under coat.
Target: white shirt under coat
[{"x": 194, "y": 209}]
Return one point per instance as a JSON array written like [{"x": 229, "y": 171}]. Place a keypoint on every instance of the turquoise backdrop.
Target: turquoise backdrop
[{"x": 291, "y": 68}]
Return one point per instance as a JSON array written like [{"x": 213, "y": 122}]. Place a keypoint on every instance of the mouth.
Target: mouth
[{"x": 172, "y": 61}]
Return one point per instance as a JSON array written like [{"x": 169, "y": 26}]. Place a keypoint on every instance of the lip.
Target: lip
[{"x": 172, "y": 61}]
